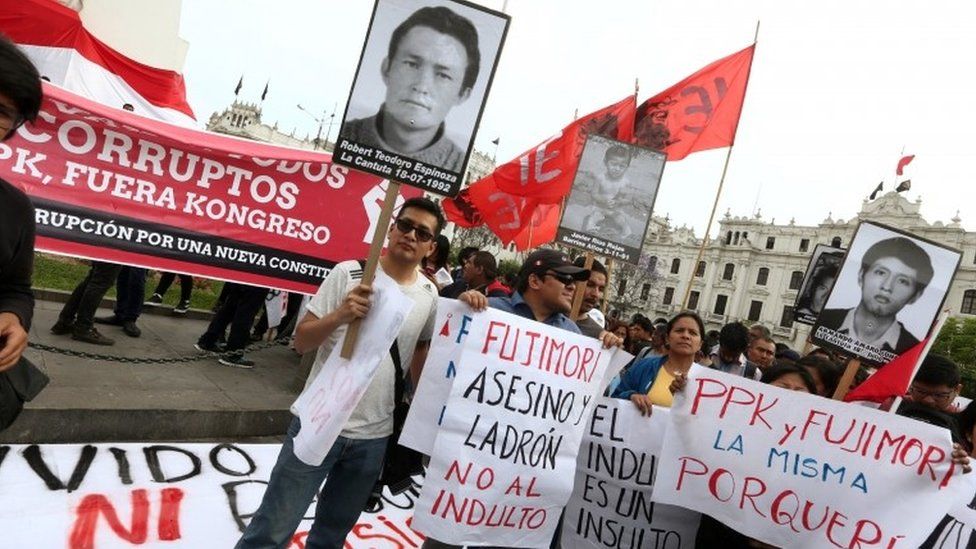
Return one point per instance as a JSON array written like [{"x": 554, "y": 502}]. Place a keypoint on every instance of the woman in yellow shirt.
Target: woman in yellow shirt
[{"x": 648, "y": 382}]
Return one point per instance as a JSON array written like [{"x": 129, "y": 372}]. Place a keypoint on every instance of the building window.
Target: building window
[
  {"x": 804, "y": 244},
  {"x": 652, "y": 263},
  {"x": 700, "y": 271},
  {"x": 720, "y": 302},
  {"x": 668, "y": 296},
  {"x": 675, "y": 266},
  {"x": 745, "y": 236},
  {"x": 622, "y": 287},
  {"x": 693, "y": 300},
  {"x": 796, "y": 280},
  {"x": 736, "y": 241},
  {"x": 770, "y": 242},
  {"x": 787, "y": 320},
  {"x": 968, "y": 302},
  {"x": 728, "y": 272},
  {"x": 755, "y": 310},
  {"x": 645, "y": 291},
  {"x": 835, "y": 242},
  {"x": 763, "y": 277},
  {"x": 728, "y": 238}
]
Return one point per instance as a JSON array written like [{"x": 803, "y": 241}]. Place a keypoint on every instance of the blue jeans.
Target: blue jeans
[{"x": 352, "y": 468}]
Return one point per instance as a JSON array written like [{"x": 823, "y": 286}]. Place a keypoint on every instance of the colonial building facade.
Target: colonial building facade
[
  {"x": 243, "y": 119},
  {"x": 753, "y": 271}
]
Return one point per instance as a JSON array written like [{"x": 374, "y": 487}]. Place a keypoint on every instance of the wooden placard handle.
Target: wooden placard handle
[
  {"x": 581, "y": 289},
  {"x": 845, "y": 381},
  {"x": 375, "y": 248}
]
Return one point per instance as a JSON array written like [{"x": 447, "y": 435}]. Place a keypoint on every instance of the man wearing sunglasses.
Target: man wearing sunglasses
[
  {"x": 355, "y": 460},
  {"x": 20, "y": 100}
]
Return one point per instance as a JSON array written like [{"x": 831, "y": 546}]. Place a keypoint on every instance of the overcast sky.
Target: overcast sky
[{"x": 838, "y": 88}]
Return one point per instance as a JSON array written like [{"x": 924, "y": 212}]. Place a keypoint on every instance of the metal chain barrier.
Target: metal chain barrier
[{"x": 140, "y": 360}]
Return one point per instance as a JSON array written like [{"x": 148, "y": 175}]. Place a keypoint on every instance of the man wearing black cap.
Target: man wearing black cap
[{"x": 545, "y": 289}]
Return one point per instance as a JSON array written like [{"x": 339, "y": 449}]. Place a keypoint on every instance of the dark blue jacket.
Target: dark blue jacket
[{"x": 639, "y": 377}]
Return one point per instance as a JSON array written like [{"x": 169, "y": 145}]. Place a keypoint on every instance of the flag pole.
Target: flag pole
[
  {"x": 718, "y": 195},
  {"x": 708, "y": 229}
]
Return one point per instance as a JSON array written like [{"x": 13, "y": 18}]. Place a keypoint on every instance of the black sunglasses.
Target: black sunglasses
[
  {"x": 564, "y": 278},
  {"x": 404, "y": 226}
]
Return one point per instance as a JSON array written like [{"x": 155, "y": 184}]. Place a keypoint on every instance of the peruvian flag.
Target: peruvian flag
[
  {"x": 53, "y": 37},
  {"x": 699, "y": 113},
  {"x": 905, "y": 160},
  {"x": 892, "y": 379}
]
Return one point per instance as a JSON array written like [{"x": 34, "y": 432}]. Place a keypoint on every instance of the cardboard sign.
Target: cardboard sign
[
  {"x": 818, "y": 280},
  {"x": 429, "y": 404},
  {"x": 328, "y": 401},
  {"x": 420, "y": 89},
  {"x": 801, "y": 471},
  {"x": 505, "y": 455},
  {"x": 178, "y": 495},
  {"x": 890, "y": 289},
  {"x": 112, "y": 186},
  {"x": 612, "y": 503},
  {"x": 613, "y": 194}
]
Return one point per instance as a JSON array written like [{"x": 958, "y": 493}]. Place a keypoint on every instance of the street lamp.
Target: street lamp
[{"x": 321, "y": 121}]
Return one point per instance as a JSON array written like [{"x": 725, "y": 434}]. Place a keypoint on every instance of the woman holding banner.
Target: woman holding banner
[{"x": 648, "y": 382}]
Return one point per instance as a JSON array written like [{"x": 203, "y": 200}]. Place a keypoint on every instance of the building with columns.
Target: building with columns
[
  {"x": 753, "y": 271},
  {"x": 243, "y": 119}
]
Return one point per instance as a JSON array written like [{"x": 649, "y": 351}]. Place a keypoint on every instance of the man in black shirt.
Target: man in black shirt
[{"x": 20, "y": 100}]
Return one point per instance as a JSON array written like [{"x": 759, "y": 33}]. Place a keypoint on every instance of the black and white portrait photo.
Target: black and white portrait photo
[
  {"x": 419, "y": 92},
  {"x": 821, "y": 274},
  {"x": 613, "y": 193},
  {"x": 888, "y": 293}
]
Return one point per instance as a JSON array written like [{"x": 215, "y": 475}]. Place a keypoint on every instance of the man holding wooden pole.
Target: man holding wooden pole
[{"x": 355, "y": 460}]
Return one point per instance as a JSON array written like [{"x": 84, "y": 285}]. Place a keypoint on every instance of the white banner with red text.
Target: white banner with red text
[
  {"x": 504, "y": 458},
  {"x": 797, "y": 470}
]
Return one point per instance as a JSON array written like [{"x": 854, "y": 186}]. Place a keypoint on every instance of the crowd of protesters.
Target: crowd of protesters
[{"x": 417, "y": 258}]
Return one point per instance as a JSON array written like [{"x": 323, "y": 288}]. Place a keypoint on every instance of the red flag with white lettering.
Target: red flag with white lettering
[
  {"x": 699, "y": 113},
  {"x": 546, "y": 171}
]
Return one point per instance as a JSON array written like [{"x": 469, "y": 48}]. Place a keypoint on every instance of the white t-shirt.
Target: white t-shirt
[{"x": 373, "y": 416}]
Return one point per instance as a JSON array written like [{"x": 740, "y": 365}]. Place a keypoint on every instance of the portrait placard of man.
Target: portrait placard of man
[
  {"x": 887, "y": 295},
  {"x": 419, "y": 91}
]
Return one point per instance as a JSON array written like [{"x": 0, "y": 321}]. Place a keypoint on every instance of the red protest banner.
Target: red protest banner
[
  {"x": 113, "y": 186},
  {"x": 699, "y": 113},
  {"x": 546, "y": 171}
]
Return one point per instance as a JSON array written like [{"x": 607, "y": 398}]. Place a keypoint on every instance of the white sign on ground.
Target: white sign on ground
[{"x": 173, "y": 495}]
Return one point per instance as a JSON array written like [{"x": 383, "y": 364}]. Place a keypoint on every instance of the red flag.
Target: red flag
[
  {"x": 905, "y": 160},
  {"x": 699, "y": 113},
  {"x": 461, "y": 211},
  {"x": 891, "y": 380},
  {"x": 541, "y": 228},
  {"x": 546, "y": 171}
]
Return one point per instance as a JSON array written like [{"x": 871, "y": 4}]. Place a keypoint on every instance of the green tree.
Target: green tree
[{"x": 957, "y": 341}]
